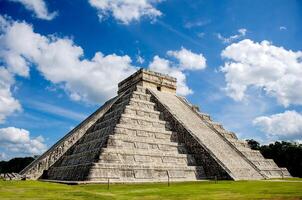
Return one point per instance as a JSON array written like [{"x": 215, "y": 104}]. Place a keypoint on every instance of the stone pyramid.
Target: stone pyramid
[{"x": 149, "y": 134}]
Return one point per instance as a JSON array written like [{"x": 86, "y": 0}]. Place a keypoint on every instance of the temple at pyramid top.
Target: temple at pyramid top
[
  {"x": 147, "y": 133},
  {"x": 149, "y": 79}
]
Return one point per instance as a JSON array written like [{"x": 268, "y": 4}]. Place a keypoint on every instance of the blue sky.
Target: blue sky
[{"x": 240, "y": 61}]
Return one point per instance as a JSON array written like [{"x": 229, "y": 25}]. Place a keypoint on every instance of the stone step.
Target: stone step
[
  {"x": 70, "y": 172},
  {"x": 135, "y": 95},
  {"x": 140, "y": 128},
  {"x": 140, "y": 89},
  {"x": 143, "y": 172},
  {"x": 156, "y": 152},
  {"x": 285, "y": 172},
  {"x": 139, "y": 142},
  {"x": 238, "y": 143},
  {"x": 274, "y": 173},
  {"x": 106, "y": 123},
  {"x": 83, "y": 153},
  {"x": 204, "y": 116},
  {"x": 112, "y": 114},
  {"x": 83, "y": 157},
  {"x": 253, "y": 155},
  {"x": 94, "y": 135},
  {"x": 151, "y": 145},
  {"x": 244, "y": 149},
  {"x": 242, "y": 175},
  {"x": 132, "y": 111},
  {"x": 216, "y": 125},
  {"x": 265, "y": 164},
  {"x": 165, "y": 166},
  {"x": 228, "y": 134},
  {"x": 147, "y": 105},
  {"x": 140, "y": 96},
  {"x": 134, "y": 121},
  {"x": 123, "y": 171},
  {"x": 270, "y": 173},
  {"x": 89, "y": 145},
  {"x": 128, "y": 157},
  {"x": 120, "y": 108},
  {"x": 121, "y": 103}
]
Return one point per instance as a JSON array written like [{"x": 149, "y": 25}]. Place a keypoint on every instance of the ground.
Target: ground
[{"x": 274, "y": 189}]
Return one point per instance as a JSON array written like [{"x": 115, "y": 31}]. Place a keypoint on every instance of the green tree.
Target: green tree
[
  {"x": 285, "y": 154},
  {"x": 15, "y": 164}
]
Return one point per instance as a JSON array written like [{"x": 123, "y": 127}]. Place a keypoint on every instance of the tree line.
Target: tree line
[
  {"x": 285, "y": 154},
  {"x": 15, "y": 164}
]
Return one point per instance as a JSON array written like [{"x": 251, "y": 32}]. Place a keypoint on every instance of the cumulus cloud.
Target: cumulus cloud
[
  {"x": 2, "y": 156},
  {"x": 287, "y": 125},
  {"x": 241, "y": 34},
  {"x": 19, "y": 141},
  {"x": 186, "y": 60},
  {"x": 164, "y": 66},
  {"x": 61, "y": 62},
  {"x": 38, "y": 7},
  {"x": 126, "y": 11},
  {"x": 8, "y": 104},
  {"x": 262, "y": 65}
]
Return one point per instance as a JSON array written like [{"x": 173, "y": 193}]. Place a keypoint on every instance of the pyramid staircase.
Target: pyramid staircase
[{"x": 130, "y": 143}]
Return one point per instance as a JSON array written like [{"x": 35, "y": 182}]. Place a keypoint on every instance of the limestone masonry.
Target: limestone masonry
[{"x": 148, "y": 134}]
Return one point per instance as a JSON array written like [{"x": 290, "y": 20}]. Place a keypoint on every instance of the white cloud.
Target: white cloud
[
  {"x": 140, "y": 59},
  {"x": 282, "y": 28},
  {"x": 19, "y": 141},
  {"x": 38, "y": 7},
  {"x": 164, "y": 66},
  {"x": 287, "y": 125},
  {"x": 262, "y": 65},
  {"x": 126, "y": 11},
  {"x": 188, "y": 59},
  {"x": 8, "y": 104},
  {"x": 2, "y": 156},
  {"x": 61, "y": 62},
  {"x": 241, "y": 33}
]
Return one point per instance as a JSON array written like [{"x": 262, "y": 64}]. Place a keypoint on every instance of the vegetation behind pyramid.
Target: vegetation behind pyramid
[{"x": 147, "y": 133}]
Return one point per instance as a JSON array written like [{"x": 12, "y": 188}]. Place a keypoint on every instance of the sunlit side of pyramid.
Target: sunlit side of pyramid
[{"x": 145, "y": 134}]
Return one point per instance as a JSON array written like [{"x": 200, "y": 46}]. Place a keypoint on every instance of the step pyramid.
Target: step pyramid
[{"x": 149, "y": 134}]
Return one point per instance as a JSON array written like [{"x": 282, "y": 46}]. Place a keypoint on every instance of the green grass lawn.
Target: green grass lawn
[{"x": 189, "y": 190}]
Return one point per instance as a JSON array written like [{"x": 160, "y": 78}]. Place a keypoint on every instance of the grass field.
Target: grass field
[{"x": 191, "y": 190}]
